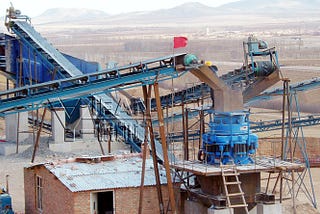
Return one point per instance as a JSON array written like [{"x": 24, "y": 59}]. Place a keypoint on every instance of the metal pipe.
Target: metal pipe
[
  {"x": 29, "y": 66},
  {"x": 184, "y": 129},
  {"x": 201, "y": 115},
  {"x": 283, "y": 120},
  {"x": 187, "y": 133},
  {"x": 109, "y": 139},
  {"x": 283, "y": 147},
  {"x": 20, "y": 65},
  {"x": 18, "y": 126},
  {"x": 290, "y": 145}
]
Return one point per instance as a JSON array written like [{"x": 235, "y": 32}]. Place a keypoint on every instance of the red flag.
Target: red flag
[{"x": 180, "y": 42}]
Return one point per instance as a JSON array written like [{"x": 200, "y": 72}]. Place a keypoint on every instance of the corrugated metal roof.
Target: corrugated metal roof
[{"x": 120, "y": 173}]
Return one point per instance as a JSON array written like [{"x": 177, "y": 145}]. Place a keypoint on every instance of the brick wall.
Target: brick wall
[
  {"x": 273, "y": 147},
  {"x": 56, "y": 197},
  {"x": 29, "y": 191},
  {"x": 127, "y": 200},
  {"x": 82, "y": 202}
]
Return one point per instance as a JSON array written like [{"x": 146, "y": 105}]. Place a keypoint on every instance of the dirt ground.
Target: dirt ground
[
  {"x": 13, "y": 165},
  {"x": 224, "y": 43}
]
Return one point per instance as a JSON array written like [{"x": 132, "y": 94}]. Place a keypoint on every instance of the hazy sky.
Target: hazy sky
[{"x": 36, "y": 7}]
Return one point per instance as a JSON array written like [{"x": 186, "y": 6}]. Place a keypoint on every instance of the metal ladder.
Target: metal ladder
[{"x": 230, "y": 178}]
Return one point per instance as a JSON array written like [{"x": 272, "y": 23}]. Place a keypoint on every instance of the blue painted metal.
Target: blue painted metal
[
  {"x": 87, "y": 84},
  {"x": 36, "y": 70},
  {"x": 31, "y": 57},
  {"x": 303, "y": 148},
  {"x": 259, "y": 48},
  {"x": 178, "y": 116},
  {"x": 300, "y": 86},
  {"x": 229, "y": 139},
  {"x": 71, "y": 108},
  {"x": 190, "y": 59},
  {"x": 5, "y": 204},
  {"x": 27, "y": 33},
  {"x": 309, "y": 120},
  {"x": 79, "y": 85},
  {"x": 261, "y": 126},
  {"x": 196, "y": 92},
  {"x": 2, "y": 52},
  {"x": 236, "y": 78},
  {"x": 121, "y": 122},
  {"x": 270, "y": 125},
  {"x": 84, "y": 66}
]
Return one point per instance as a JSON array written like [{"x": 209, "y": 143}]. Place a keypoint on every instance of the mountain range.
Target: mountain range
[
  {"x": 185, "y": 12},
  {"x": 267, "y": 6},
  {"x": 69, "y": 14}
]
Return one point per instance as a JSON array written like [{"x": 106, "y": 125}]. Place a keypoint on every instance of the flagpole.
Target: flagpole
[
  {"x": 178, "y": 42},
  {"x": 174, "y": 59}
]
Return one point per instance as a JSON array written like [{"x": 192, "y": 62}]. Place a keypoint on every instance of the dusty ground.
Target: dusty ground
[
  {"x": 223, "y": 43},
  {"x": 13, "y": 165}
]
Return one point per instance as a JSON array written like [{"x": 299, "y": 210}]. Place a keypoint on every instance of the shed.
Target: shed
[{"x": 103, "y": 184}]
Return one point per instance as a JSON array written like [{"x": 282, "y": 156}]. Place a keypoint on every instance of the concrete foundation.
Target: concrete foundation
[
  {"x": 86, "y": 124},
  {"x": 58, "y": 119},
  {"x": 11, "y": 148},
  {"x": 269, "y": 208},
  {"x": 253, "y": 210},
  {"x": 87, "y": 146},
  {"x": 220, "y": 211},
  {"x": 13, "y": 132},
  {"x": 193, "y": 207},
  {"x": 61, "y": 147}
]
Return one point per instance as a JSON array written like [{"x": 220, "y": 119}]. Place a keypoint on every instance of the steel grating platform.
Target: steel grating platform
[{"x": 262, "y": 164}]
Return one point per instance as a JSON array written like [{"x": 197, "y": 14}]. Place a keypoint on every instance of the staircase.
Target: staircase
[
  {"x": 232, "y": 187},
  {"x": 134, "y": 133}
]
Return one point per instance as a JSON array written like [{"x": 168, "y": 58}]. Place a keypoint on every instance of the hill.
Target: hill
[
  {"x": 192, "y": 13},
  {"x": 68, "y": 14},
  {"x": 272, "y": 6}
]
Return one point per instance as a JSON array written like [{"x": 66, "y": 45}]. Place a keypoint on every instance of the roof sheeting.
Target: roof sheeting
[{"x": 105, "y": 175}]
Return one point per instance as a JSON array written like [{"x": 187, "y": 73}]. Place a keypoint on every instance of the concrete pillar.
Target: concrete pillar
[
  {"x": 58, "y": 120},
  {"x": 194, "y": 207},
  {"x": 269, "y": 208},
  {"x": 86, "y": 125},
  {"x": 13, "y": 133},
  {"x": 220, "y": 211}
]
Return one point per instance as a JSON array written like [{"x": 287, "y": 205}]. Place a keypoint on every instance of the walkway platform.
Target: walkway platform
[{"x": 262, "y": 164}]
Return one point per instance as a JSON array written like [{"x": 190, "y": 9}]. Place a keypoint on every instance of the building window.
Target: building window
[{"x": 39, "y": 192}]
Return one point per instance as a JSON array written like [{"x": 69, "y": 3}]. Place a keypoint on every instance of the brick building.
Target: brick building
[{"x": 91, "y": 185}]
